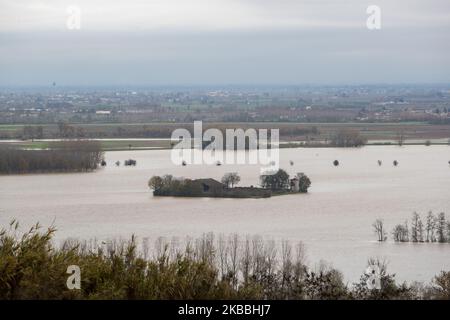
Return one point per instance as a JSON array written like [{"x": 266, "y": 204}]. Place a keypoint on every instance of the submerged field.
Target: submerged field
[{"x": 334, "y": 220}]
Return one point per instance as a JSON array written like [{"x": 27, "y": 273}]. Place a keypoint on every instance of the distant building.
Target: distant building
[
  {"x": 103, "y": 112},
  {"x": 209, "y": 186}
]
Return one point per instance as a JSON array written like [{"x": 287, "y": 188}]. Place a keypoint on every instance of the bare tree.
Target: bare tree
[
  {"x": 246, "y": 260},
  {"x": 233, "y": 247},
  {"x": 430, "y": 226},
  {"x": 378, "y": 227},
  {"x": 420, "y": 231},
  {"x": 400, "y": 137},
  {"x": 416, "y": 228},
  {"x": 401, "y": 233},
  {"x": 448, "y": 231},
  {"x": 440, "y": 227},
  {"x": 286, "y": 263}
]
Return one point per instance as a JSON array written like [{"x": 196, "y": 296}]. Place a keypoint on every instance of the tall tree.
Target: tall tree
[
  {"x": 416, "y": 225},
  {"x": 378, "y": 227},
  {"x": 430, "y": 227},
  {"x": 440, "y": 227}
]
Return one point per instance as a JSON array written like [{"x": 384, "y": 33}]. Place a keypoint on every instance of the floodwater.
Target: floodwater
[{"x": 333, "y": 220}]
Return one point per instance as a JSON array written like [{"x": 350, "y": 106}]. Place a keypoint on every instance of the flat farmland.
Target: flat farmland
[{"x": 113, "y": 132}]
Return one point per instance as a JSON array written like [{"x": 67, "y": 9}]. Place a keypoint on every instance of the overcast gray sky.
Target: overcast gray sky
[{"x": 210, "y": 42}]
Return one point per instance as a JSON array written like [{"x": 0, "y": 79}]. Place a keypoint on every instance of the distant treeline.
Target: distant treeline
[
  {"x": 209, "y": 267},
  {"x": 64, "y": 130},
  {"x": 65, "y": 156}
]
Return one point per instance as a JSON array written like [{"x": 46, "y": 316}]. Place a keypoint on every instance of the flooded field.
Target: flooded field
[{"x": 333, "y": 220}]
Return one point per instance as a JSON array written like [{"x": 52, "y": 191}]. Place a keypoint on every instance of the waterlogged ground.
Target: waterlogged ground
[{"x": 333, "y": 220}]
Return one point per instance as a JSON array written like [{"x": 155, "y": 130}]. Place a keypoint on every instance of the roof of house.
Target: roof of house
[{"x": 209, "y": 182}]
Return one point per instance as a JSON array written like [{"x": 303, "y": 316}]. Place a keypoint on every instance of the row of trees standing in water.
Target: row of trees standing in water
[
  {"x": 435, "y": 228},
  {"x": 64, "y": 156}
]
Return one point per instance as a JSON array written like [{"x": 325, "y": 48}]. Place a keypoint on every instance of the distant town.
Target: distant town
[{"x": 306, "y": 104}]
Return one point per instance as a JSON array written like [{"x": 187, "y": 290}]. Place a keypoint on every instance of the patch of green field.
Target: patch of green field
[
  {"x": 11, "y": 127},
  {"x": 107, "y": 145},
  {"x": 134, "y": 144},
  {"x": 30, "y": 145}
]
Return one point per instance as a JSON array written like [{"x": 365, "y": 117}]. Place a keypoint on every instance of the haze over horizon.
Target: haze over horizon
[{"x": 218, "y": 42}]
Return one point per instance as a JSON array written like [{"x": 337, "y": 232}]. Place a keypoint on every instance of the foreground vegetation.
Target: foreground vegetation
[
  {"x": 31, "y": 267},
  {"x": 67, "y": 156}
]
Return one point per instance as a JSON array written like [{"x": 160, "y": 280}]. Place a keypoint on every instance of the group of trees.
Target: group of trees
[
  {"x": 434, "y": 229},
  {"x": 348, "y": 138},
  {"x": 169, "y": 185},
  {"x": 158, "y": 183},
  {"x": 67, "y": 156},
  {"x": 281, "y": 181},
  {"x": 64, "y": 130},
  {"x": 209, "y": 267},
  {"x": 67, "y": 131}
]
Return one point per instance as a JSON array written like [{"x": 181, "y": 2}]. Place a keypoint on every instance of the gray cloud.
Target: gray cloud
[{"x": 248, "y": 41}]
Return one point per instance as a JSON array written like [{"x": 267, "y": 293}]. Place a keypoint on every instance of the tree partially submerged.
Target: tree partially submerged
[
  {"x": 441, "y": 228},
  {"x": 401, "y": 233},
  {"x": 64, "y": 156},
  {"x": 400, "y": 137},
  {"x": 378, "y": 227},
  {"x": 436, "y": 229},
  {"x": 416, "y": 228}
]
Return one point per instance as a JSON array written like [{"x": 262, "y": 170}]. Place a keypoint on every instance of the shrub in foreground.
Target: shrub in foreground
[{"x": 31, "y": 267}]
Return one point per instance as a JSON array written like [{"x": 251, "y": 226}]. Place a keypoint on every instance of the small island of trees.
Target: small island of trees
[{"x": 271, "y": 184}]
